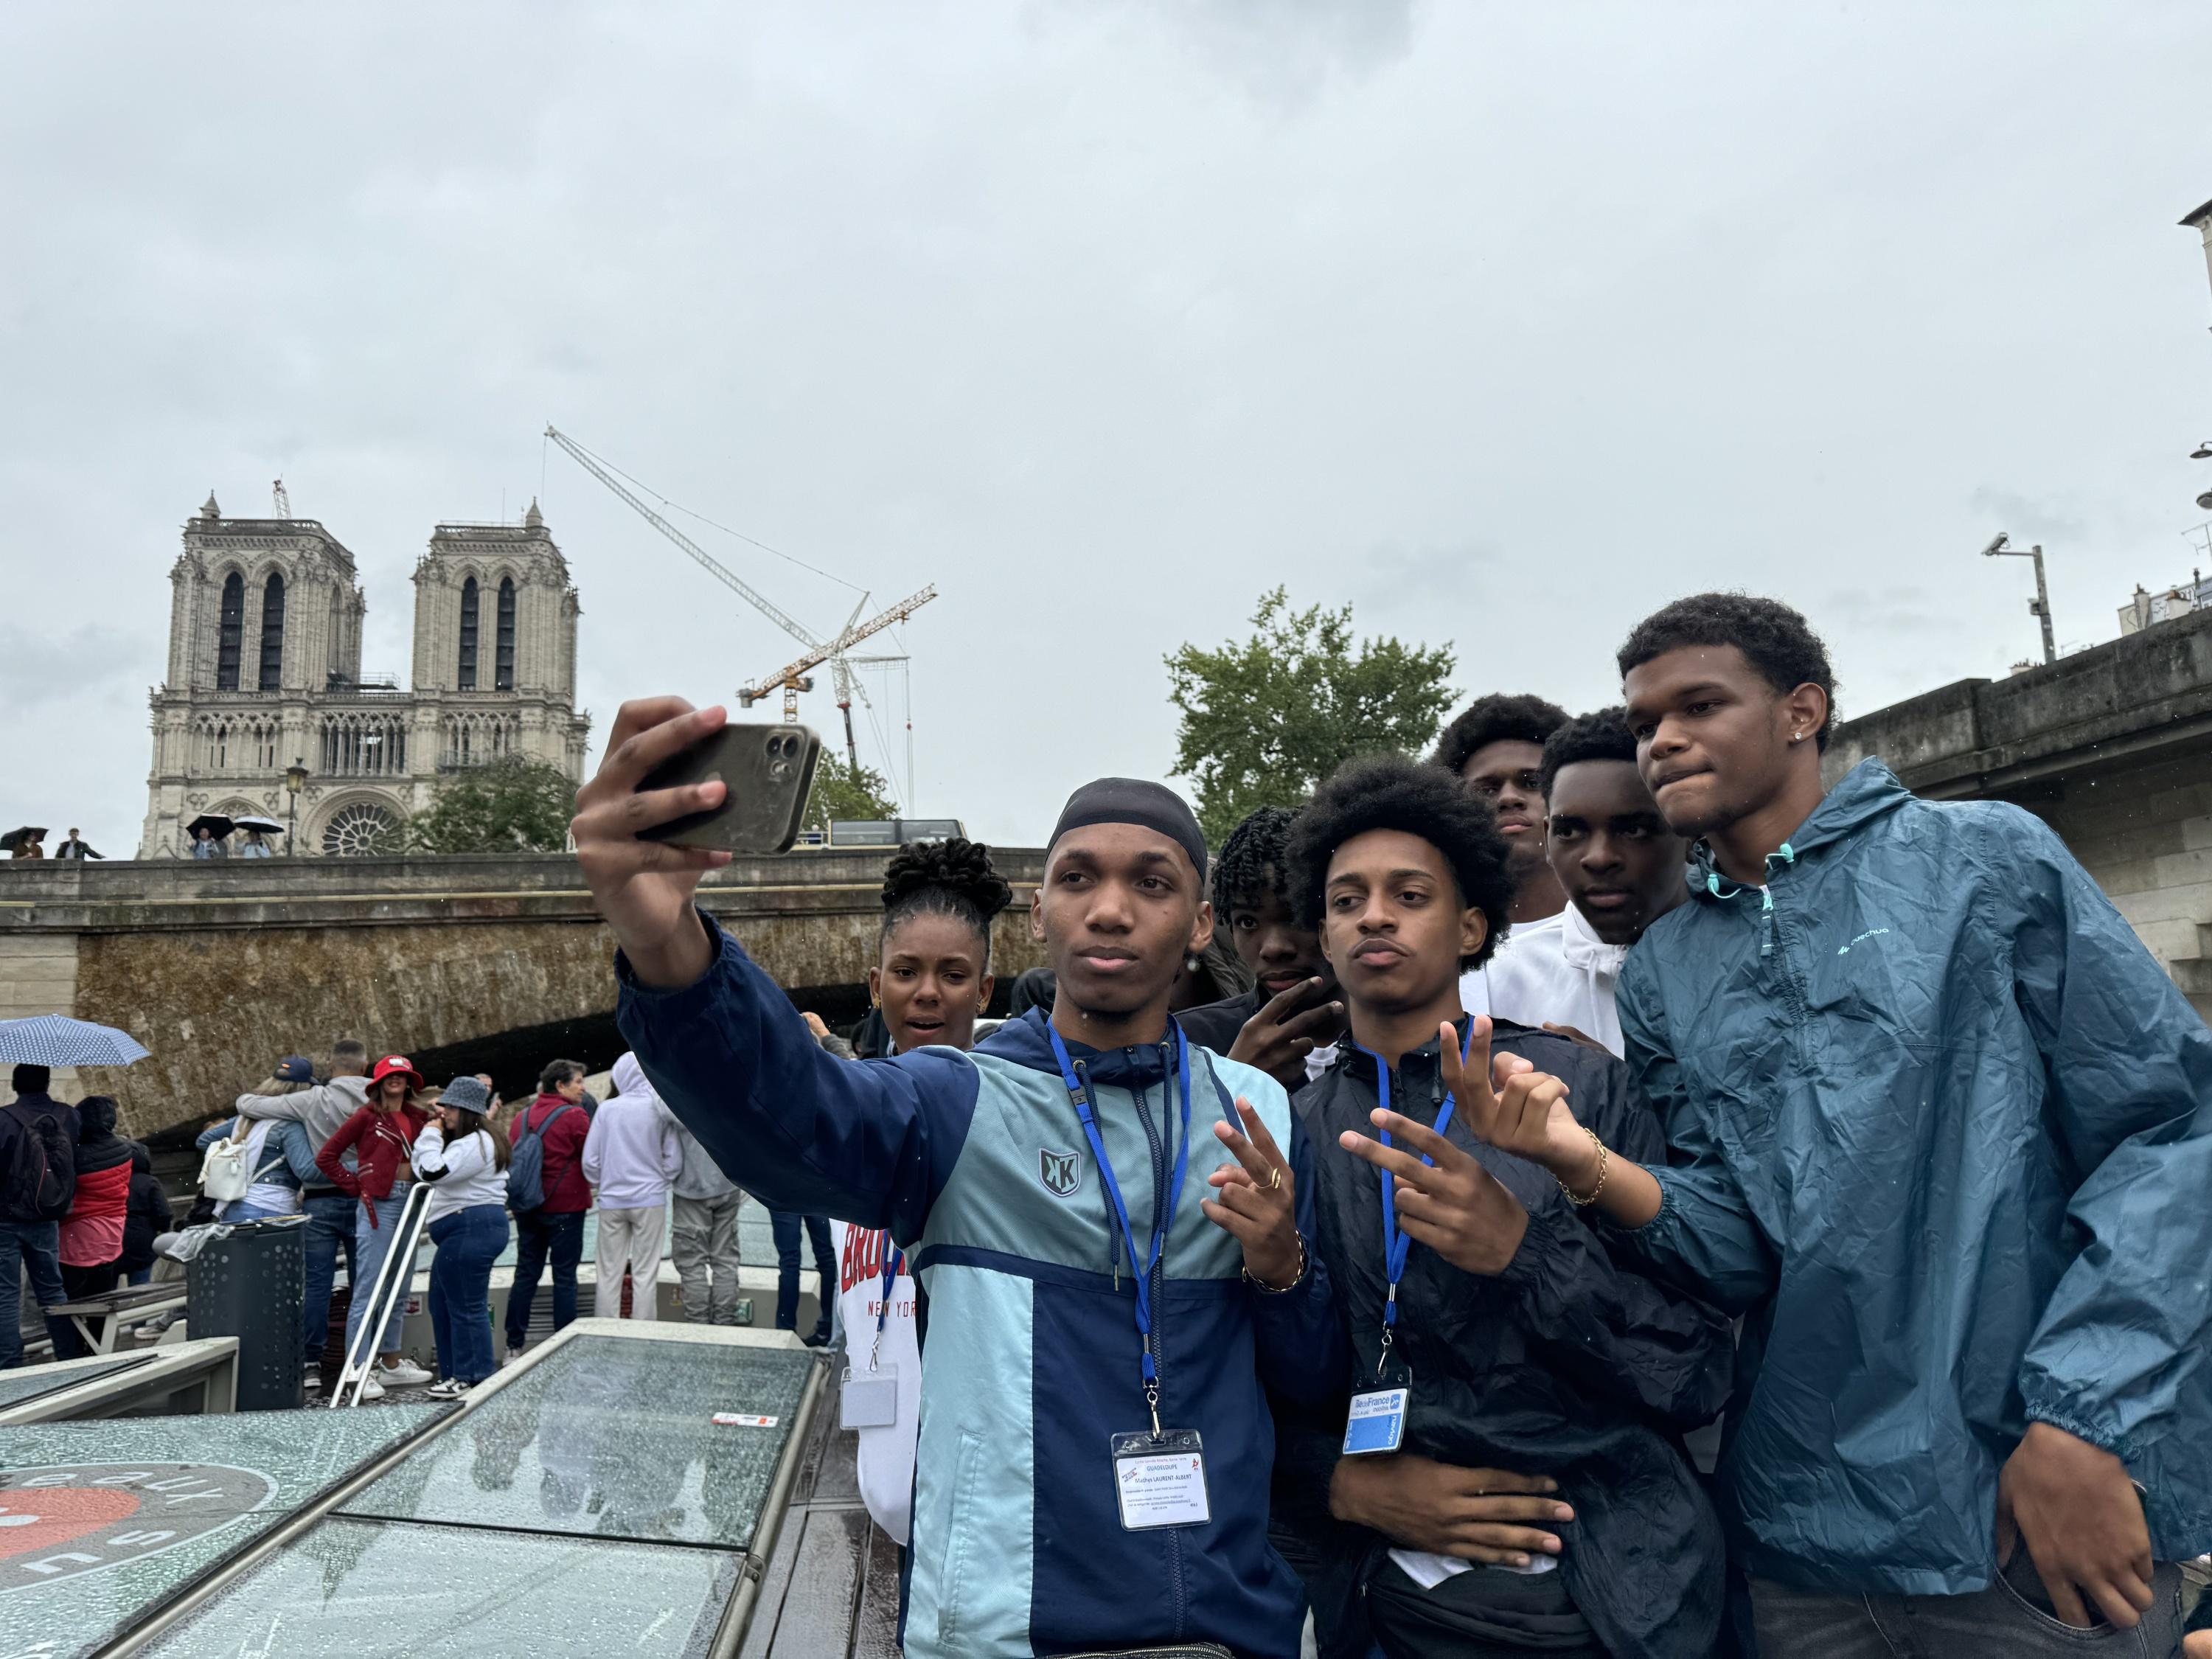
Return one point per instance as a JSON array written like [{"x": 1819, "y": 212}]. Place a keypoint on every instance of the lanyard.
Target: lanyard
[
  {"x": 1397, "y": 1245},
  {"x": 1080, "y": 1094},
  {"x": 893, "y": 1261}
]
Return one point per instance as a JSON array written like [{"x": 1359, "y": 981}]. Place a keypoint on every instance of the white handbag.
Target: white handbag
[{"x": 223, "y": 1174}]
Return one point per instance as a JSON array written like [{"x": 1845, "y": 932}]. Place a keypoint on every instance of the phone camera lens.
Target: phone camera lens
[{"x": 778, "y": 769}]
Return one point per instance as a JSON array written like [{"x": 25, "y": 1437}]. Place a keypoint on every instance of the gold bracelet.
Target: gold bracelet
[
  {"x": 1297, "y": 1278},
  {"x": 1603, "y": 1159}
]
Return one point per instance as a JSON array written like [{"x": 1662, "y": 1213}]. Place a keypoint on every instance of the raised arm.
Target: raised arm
[{"x": 286, "y": 1109}]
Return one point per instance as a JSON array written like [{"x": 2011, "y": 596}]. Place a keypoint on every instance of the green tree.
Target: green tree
[
  {"x": 843, "y": 790},
  {"x": 509, "y": 806},
  {"x": 1265, "y": 719}
]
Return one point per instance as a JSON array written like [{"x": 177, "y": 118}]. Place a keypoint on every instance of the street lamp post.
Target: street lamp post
[
  {"x": 296, "y": 779},
  {"x": 2040, "y": 604}
]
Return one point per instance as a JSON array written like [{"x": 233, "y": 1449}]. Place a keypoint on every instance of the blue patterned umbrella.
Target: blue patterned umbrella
[{"x": 57, "y": 1040}]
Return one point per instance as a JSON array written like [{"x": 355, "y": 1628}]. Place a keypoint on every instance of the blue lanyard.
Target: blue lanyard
[
  {"x": 1078, "y": 1092},
  {"x": 1396, "y": 1245},
  {"x": 892, "y": 1264}
]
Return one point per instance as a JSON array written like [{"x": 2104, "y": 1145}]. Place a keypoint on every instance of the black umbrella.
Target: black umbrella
[
  {"x": 213, "y": 822},
  {"x": 16, "y": 838}
]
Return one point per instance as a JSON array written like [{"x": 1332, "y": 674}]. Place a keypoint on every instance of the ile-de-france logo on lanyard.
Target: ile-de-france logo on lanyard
[
  {"x": 1159, "y": 1475},
  {"x": 1377, "y": 1423}
]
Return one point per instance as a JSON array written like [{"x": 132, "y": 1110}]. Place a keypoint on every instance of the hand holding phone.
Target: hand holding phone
[{"x": 644, "y": 888}]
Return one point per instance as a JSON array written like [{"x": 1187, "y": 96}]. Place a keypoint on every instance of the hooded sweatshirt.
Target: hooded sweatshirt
[
  {"x": 980, "y": 1168},
  {"x": 92, "y": 1235},
  {"x": 323, "y": 1109},
  {"x": 632, "y": 1154}
]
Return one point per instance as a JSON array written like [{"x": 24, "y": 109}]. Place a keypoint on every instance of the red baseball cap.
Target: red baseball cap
[{"x": 399, "y": 1065}]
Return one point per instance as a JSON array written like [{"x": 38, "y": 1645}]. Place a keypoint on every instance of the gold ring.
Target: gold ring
[{"x": 1275, "y": 1178}]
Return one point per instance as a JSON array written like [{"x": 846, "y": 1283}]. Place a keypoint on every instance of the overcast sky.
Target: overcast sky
[{"x": 1505, "y": 324}]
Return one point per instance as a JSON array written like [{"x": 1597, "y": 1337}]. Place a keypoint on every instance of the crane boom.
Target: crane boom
[
  {"x": 791, "y": 672},
  {"x": 752, "y": 596}
]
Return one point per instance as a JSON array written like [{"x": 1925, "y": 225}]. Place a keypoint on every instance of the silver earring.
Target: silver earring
[{"x": 1193, "y": 963}]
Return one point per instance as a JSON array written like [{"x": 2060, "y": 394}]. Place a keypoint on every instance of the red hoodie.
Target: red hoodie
[
  {"x": 379, "y": 1141},
  {"x": 567, "y": 1192}
]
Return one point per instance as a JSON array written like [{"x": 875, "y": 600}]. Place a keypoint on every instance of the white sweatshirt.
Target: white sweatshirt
[{"x": 460, "y": 1174}]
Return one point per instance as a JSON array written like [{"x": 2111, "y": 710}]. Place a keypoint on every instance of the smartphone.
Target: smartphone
[{"x": 769, "y": 770}]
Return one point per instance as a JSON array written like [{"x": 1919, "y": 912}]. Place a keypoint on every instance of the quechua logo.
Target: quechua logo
[
  {"x": 63, "y": 1519},
  {"x": 1059, "y": 1172}
]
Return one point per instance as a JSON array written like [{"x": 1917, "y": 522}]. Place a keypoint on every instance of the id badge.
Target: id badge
[
  {"x": 1377, "y": 1424},
  {"x": 869, "y": 1400},
  {"x": 1160, "y": 1479}
]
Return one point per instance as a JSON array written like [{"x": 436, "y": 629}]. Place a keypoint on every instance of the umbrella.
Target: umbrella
[
  {"x": 57, "y": 1040},
  {"x": 213, "y": 822},
  {"x": 266, "y": 826},
  {"x": 16, "y": 838}
]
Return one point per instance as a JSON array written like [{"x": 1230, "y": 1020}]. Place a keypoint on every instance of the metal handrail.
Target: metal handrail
[{"x": 407, "y": 1238}]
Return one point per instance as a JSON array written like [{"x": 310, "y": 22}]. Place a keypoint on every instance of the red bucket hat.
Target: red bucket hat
[{"x": 400, "y": 1063}]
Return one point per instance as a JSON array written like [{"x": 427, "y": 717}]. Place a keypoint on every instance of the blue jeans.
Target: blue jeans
[
  {"x": 536, "y": 1236},
  {"x": 36, "y": 1245},
  {"x": 2011, "y": 1620},
  {"x": 784, "y": 1226},
  {"x": 329, "y": 1230},
  {"x": 469, "y": 1241},
  {"x": 369, "y": 1245}
]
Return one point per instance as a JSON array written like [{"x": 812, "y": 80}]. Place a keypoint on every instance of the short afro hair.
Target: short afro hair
[
  {"x": 1388, "y": 791},
  {"x": 1774, "y": 640},
  {"x": 1252, "y": 861},
  {"x": 1602, "y": 736},
  {"x": 1498, "y": 718}
]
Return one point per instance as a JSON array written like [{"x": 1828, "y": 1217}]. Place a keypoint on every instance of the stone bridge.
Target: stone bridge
[
  {"x": 2112, "y": 747},
  {"x": 478, "y": 963}
]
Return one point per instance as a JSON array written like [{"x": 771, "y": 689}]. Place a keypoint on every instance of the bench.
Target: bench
[{"x": 128, "y": 1306}]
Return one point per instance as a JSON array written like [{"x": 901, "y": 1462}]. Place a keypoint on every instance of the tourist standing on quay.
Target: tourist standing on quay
[
  {"x": 463, "y": 1157},
  {"x": 91, "y": 1236},
  {"x": 703, "y": 1235},
  {"x": 205, "y": 845},
  {"x": 552, "y": 1230},
  {"x": 77, "y": 847},
  {"x": 630, "y": 1157},
  {"x": 321, "y": 1110},
  {"x": 379, "y": 1139},
  {"x": 34, "y": 1195}
]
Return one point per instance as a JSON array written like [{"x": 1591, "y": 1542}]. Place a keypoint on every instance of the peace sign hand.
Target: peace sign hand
[
  {"x": 1255, "y": 1201},
  {"x": 1508, "y": 1103},
  {"x": 1457, "y": 1208}
]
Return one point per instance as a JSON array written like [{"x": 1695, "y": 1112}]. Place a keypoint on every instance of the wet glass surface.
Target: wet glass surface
[
  {"x": 101, "y": 1522},
  {"x": 29, "y": 1381},
  {"x": 373, "y": 1590},
  {"x": 611, "y": 1438}
]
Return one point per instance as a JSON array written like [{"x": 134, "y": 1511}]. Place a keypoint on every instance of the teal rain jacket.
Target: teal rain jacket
[{"x": 1941, "y": 1127}]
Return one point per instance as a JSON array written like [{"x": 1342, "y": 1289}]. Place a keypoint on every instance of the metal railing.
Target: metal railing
[{"x": 393, "y": 1281}]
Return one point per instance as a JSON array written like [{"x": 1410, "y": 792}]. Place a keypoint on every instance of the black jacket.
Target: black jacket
[
  {"x": 149, "y": 1215},
  {"x": 1568, "y": 1363}
]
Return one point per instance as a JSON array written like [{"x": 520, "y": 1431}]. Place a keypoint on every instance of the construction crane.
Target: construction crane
[
  {"x": 284, "y": 499},
  {"x": 795, "y": 678},
  {"x": 792, "y": 677}
]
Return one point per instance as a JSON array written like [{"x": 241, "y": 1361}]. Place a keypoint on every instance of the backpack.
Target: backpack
[
  {"x": 526, "y": 1161},
  {"x": 223, "y": 1174},
  {"x": 38, "y": 1167}
]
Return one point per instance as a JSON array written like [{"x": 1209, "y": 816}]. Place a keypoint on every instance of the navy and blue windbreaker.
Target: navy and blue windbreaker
[
  {"x": 979, "y": 1167},
  {"x": 1942, "y": 1130}
]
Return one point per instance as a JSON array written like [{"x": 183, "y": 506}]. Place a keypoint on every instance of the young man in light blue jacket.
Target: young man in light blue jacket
[{"x": 1094, "y": 1443}]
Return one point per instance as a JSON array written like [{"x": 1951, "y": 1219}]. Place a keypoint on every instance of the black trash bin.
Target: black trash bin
[{"x": 252, "y": 1285}]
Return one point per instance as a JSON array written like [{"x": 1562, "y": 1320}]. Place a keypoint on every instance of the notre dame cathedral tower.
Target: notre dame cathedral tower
[{"x": 265, "y": 675}]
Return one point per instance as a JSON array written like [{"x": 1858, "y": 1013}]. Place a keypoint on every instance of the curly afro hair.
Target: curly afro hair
[
  {"x": 1388, "y": 791},
  {"x": 1602, "y": 736},
  {"x": 951, "y": 878},
  {"x": 1252, "y": 861},
  {"x": 1774, "y": 640},
  {"x": 1498, "y": 718}
]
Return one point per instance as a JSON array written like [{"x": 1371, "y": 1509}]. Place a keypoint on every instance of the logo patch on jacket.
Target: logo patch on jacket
[{"x": 1059, "y": 1172}]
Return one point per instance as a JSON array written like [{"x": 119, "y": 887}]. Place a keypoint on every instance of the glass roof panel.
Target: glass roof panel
[
  {"x": 612, "y": 1438},
  {"x": 373, "y": 1589},
  {"x": 29, "y": 1381},
  {"x": 102, "y": 1521}
]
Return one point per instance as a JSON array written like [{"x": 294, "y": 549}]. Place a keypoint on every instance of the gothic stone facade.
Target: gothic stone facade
[{"x": 264, "y": 673}]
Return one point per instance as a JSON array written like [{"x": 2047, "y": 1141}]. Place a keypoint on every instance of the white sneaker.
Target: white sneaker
[
  {"x": 405, "y": 1374},
  {"x": 371, "y": 1389},
  {"x": 314, "y": 1381},
  {"x": 452, "y": 1389}
]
